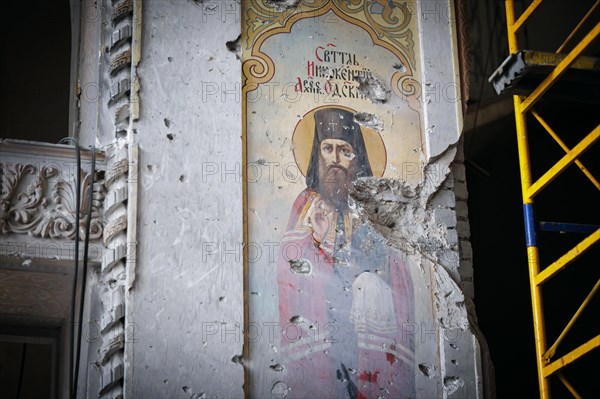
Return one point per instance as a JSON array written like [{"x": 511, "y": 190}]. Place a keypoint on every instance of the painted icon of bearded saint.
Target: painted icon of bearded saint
[{"x": 345, "y": 298}]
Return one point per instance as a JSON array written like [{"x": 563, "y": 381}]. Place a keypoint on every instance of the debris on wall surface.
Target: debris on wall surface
[
  {"x": 283, "y": 5},
  {"x": 421, "y": 221},
  {"x": 374, "y": 89},
  {"x": 369, "y": 120},
  {"x": 361, "y": 71},
  {"x": 452, "y": 384},
  {"x": 402, "y": 212},
  {"x": 187, "y": 317},
  {"x": 438, "y": 36},
  {"x": 235, "y": 47},
  {"x": 406, "y": 217}
]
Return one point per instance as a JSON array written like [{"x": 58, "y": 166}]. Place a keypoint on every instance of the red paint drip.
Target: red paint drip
[
  {"x": 390, "y": 357},
  {"x": 368, "y": 376}
]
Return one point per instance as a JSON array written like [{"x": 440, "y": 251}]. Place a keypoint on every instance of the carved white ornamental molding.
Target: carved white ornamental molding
[
  {"x": 122, "y": 36},
  {"x": 113, "y": 275},
  {"x": 40, "y": 201}
]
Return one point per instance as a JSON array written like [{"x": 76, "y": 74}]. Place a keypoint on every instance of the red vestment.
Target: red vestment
[{"x": 347, "y": 329}]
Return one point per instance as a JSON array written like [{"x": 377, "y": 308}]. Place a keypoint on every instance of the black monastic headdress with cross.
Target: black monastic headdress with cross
[{"x": 337, "y": 123}]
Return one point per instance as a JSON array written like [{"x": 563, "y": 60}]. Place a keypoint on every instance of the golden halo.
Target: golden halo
[{"x": 304, "y": 134}]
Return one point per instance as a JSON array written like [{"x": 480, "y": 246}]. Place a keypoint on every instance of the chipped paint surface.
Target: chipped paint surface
[
  {"x": 282, "y": 5},
  {"x": 357, "y": 300},
  {"x": 188, "y": 304},
  {"x": 235, "y": 47},
  {"x": 369, "y": 120},
  {"x": 400, "y": 211},
  {"x": 374, "y": 89},
  {"x": 188, "y": 308},
  {"x": 407, "y": 206}
]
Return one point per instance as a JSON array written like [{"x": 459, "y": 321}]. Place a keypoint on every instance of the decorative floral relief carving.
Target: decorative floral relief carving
[{"x": 39, "y": 202}]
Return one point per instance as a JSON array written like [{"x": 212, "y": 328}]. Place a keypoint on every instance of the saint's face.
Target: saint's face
[{"x": 337, "y": 152}]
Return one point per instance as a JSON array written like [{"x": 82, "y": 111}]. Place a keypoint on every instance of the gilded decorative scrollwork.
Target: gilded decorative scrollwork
[
  {"x": 387, "y": 22},
  {"x": 44, "y": 204},
  {"x": 408, "y": 88},
  {"x": 261, "y": 17},
  {"x": 389, "y": 18}
]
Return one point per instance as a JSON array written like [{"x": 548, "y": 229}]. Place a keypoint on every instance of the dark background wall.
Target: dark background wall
[
  {"x": 501, "y": 272},
  {"x": 26, "y": 370},
  {"x": 502, "y": 293},
  {"x": 35, "y": 60}
]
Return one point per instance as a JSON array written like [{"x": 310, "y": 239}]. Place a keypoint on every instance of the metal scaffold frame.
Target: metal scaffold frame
[{"x": 547, "y": 365}]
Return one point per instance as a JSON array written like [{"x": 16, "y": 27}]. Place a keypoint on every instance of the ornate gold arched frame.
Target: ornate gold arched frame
[{"x": 258, "y": 67}]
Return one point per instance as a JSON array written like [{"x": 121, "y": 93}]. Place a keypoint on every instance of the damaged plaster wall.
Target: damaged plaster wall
[
  {"x": 430, "y": 221},
  {"x": 184, "y": 311},
  {"x": 188, "y": 306}
]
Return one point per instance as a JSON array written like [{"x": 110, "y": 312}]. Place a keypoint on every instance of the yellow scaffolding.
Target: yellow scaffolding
[{"x": 547, "y": 365}]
